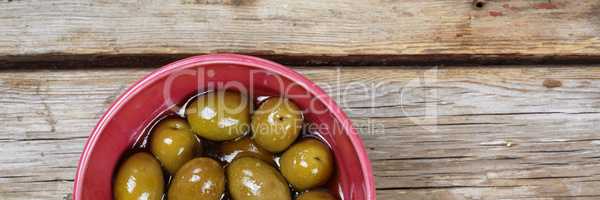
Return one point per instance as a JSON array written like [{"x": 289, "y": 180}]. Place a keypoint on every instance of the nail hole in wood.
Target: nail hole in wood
[{"x": 478, "y": 3}]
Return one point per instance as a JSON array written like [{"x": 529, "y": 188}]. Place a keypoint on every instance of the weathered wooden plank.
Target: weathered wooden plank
[
  {"x": 270, "y": 27},
  {"x": 500, "y": 132}
]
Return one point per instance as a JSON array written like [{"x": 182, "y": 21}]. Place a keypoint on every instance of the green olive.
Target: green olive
[
  {"x": 139, "y": 177},
  {"x": 315, "y": 195},
  {"x": 173, "y": 143},
  {"x": 253, "y": 179},
  {"x": 276, "y": 124},
  {"x": 219, "y": 116},
  {"x": 200, "y": 178},
  {"x": 307, "y": 164},
  {"x": 243, "y": 147}
]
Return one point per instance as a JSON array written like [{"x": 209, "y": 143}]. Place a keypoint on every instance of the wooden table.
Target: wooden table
[{"x": 454, "y": 99}]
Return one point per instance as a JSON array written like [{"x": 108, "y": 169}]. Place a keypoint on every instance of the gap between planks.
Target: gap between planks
[{"x": 73, "y": 61}]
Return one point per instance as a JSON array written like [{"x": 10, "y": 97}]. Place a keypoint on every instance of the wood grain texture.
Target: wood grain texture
[
  {"x": 500, "y": 132},
  {"x": 271, "y": 27}
]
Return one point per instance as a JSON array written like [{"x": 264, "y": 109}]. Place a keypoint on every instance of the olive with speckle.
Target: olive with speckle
[
  {"x": 139, "y": 177},
  {"x": 219, "y": 116},
  {"x": 307, "y": 164},
  {"x": 253, "y": 179},
  {"x": 200, "y": 178},
  {"x": 173, "y": 143},
  {"x": 276, "y": 124}
]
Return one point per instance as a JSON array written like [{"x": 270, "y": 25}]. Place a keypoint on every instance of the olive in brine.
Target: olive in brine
[
  {"x": 307, "y": 164},
  {"x": 242, "y": 147},
  {"x": 220, "y": 115},
  {"x": 173, "y": 143},
  {"x": 139, "y": 177},
  {"x": 276, "y": 124},
  {"x": 200, "y": 178},
  {"x": 253, "y": 179},
  {"x": 315, "y": 195}
]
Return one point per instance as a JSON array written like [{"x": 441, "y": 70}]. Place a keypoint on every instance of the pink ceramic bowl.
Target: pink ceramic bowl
[{"x": 130, "y": 114}]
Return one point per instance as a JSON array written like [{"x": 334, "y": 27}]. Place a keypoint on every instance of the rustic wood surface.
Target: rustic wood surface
[
  {"x": 501, "y": 132},
  {"x": 33, "y": 28},
  {"x": 449, "y": 133}
]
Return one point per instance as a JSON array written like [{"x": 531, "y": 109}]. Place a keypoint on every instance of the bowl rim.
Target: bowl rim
[{"x": 236, "y": 59}]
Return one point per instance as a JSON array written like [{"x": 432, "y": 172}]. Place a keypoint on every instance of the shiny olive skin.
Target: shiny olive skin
[
  {"x": 200, "y": 178},
  {"x": 241, "y": 147},
  {"x": 253, "y": 179},
  {"x": 173, "y": 143},
  {"x": 139, "y": 177},
  {"x": 307, "y": 164},
  {"x": 316, "y": 195},
  {"x": 276, "y": 124},
  {"x": 220, "y": 115}
]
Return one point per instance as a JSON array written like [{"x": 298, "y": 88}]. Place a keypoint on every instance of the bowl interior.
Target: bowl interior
[{"x": 126, "y": 120}]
